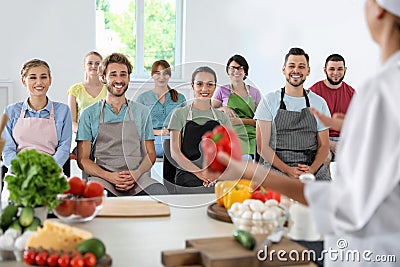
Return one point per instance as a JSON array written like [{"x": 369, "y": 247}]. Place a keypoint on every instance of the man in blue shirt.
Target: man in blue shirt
[{"x": 115, "y": 136}]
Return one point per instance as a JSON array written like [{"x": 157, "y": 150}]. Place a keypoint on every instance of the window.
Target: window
[{"x": 144, "y": 30}]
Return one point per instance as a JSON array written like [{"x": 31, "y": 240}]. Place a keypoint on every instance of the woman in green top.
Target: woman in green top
[{"x": 239, "y": 101}]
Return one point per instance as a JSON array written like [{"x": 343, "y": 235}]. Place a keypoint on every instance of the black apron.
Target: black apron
[
  {"x": 294, "y": 137},
  {"x": 190, "y": 147}
]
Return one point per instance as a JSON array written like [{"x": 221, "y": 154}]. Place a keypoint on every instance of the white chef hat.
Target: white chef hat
[{"x": 393, "y": 6}]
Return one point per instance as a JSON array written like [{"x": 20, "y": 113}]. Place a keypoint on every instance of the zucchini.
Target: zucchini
[
  {"x": 26, "y": 216},
  {"x": 7, "y": 216},
  {"x": 246, "y": 239}
]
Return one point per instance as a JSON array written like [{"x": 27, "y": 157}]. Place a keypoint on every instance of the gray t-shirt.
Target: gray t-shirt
[{"x": 179, "y": 117}]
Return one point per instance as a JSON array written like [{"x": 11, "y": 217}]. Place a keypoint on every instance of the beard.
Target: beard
[
  {"x": 110, "y": 90},
  {"x": 295, "y": 84},
  {"x": 333, "y": 82}
]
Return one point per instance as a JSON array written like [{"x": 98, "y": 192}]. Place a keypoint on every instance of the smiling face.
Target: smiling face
[
  {"x": 335, "y": 71},
  {"x": 91, "y": 64},
  {"x": 117, "y": 79},
  {"x": 204, "y": 85},
  {"x": 236, "y": 72},
  {"x": 296, "y": 70},
  {"x": 161, "y": 76},
  {"x": 37, "y": 80}
]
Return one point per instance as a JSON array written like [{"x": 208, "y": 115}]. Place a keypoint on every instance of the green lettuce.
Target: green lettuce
[{"x": 36, "y": 181}]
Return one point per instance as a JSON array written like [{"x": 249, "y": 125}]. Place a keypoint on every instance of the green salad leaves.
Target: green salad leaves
[{"x": 36, "y": 181}]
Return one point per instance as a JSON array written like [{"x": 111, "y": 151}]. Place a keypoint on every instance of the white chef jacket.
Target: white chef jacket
[{"x": 360, "y": 209}]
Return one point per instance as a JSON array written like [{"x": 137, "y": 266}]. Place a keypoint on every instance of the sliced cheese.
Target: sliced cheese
[{"x": 55, "y": 235}]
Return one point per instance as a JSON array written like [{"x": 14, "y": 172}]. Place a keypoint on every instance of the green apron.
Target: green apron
[{"x": 244, "y": 107}]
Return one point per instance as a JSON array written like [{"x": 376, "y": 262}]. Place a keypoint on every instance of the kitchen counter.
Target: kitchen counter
[
  {"x": 135, "y": 241},
  {"x": 139, "y": 241}
]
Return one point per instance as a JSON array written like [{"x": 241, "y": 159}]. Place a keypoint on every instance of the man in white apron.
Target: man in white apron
[{"x": 115, "y": 136}]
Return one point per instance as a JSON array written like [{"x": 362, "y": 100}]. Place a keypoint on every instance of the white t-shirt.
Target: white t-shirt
[{"x": 269, "y": 106}]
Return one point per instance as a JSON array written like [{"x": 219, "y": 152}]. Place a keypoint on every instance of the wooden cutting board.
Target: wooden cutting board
[
  {"x": 226, "y": 252},
  {"x": 121, "y": 207}
]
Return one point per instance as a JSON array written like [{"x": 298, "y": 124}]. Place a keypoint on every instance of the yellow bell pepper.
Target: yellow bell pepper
[
  {"x": 239, "y": 193},
  {"x": 223, "y": 187}
]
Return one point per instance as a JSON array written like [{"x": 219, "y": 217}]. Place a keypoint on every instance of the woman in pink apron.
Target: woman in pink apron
[{"x": 37, "y": 123}]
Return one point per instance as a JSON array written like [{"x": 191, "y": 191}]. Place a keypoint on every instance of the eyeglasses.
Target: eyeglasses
[
  {"x": 233, "y": 68},
  {"x": 204, "y": 83}
]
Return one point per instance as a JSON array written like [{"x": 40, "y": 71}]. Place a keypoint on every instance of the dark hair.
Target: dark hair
[
  {"x": 163, "y": 63},
  {"x": 204, "y": 69},
  {"x": 114, "y": 58},
  {"x": 32, "y": 64},
  {"x": 334, "y": 57},
  {"x": 297, "y": 52},
  {"x": 242, "y": 62}
]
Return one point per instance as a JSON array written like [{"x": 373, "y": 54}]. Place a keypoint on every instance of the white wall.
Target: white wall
[{"x": 61, "y": 32}]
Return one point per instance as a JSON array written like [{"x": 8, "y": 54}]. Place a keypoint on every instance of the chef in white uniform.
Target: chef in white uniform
[{"x": 358, "y": 212}]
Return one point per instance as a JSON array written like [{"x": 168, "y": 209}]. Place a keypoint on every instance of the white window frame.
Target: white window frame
[{"x": 140, "y": 74}]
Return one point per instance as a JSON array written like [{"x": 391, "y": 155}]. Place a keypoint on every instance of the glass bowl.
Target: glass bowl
[
  {"x": 78, "y": 209},
  {"x": 266, "y": 219}
]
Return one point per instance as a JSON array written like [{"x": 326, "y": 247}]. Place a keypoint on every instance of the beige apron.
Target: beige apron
[
  {"x": 33, "y": 133},
  {"x": 118, "y": 148}
]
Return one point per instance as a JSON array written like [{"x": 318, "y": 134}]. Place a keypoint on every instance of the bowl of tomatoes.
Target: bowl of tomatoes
[{"x": 82, "y": 202}]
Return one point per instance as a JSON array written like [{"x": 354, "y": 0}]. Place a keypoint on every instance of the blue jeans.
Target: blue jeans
[{"x": 158, "y": 144}]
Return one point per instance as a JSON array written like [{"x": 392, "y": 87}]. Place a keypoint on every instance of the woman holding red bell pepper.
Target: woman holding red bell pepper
[{"x": 187, "y": 126}]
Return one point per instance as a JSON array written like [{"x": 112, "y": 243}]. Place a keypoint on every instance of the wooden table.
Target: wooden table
[{"x": 139, "y": 241}]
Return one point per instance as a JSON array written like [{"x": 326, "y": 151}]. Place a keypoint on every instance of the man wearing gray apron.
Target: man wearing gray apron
[
  {"x": 291, "y": 139},
  {"x": 115, "y": 137}
]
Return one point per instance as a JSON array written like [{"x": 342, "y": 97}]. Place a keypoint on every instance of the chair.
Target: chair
[{"x": 169, "y": 169}]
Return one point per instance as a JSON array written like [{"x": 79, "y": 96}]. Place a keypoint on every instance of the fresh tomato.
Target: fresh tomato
[
  {"x": 30, "y": 256},
  {"x": 273, "y": 195},
  {"x": 85, "y": 208},
  {"x": 260, "y": 194},
  {"x": 52, "y": 260},
  {"x": 63, "y": 261},
  {"x": 76, "y": 186},
  {"x": 41, "y": 258},
  {"x": 66, "y": 208},
  {"x": 77, "y": 261},
  {"x": 93, "y": 189},
  {"x": 90, "y": 259},
  {"x": 220, "y": 138}
]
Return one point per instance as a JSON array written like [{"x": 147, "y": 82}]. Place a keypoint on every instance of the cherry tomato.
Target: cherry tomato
[
  {"x": 77, "y": 261},
  {"x": 93, "y": 189},
  {"x": 63, "y": 261},
  {"x": 85, "y": 208},
  {"x": 90, "y": 259},
  {"x": 30, "y": 256},
  {"x": 41, "y": 258},
  {"x": 66, "y": 208},
  {"x": 52, "y": 260},
  {"x": 76, "y": 186}
]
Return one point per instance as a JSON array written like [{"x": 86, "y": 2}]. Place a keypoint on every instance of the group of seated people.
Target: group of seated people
[{"x": 118, "y": 140}]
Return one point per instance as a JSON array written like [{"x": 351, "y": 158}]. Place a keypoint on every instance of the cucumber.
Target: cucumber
[
  {"x": 7, "y": 216},
  {"x": 15, "y": 225},
  {"x": 246, "y": 239},
  {"x": 26, "y": 216},
  {"x": 34, "y": 225}
]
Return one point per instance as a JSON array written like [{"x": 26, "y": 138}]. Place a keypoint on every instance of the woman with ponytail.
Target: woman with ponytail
[{"x": 161, "y": 101}]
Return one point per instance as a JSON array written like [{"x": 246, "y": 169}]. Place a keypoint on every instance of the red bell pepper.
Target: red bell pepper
[
  {"x": 220, "y": 138},
  {"x": 260, "y": 194}
]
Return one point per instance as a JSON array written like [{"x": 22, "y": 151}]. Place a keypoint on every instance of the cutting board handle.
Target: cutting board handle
[{"x": 181, "y": 257}]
